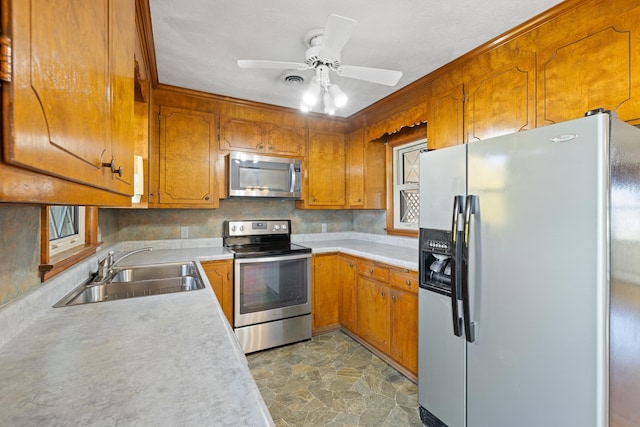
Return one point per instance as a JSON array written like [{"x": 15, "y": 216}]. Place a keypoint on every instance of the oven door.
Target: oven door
[{"x": 271, "y": 288}]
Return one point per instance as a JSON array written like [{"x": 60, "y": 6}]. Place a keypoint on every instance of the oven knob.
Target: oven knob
[
  {"x": 276, "y": 227},
  {"x": 284, "y": 226}
]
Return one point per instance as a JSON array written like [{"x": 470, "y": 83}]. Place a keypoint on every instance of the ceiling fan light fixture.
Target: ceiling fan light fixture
[
  {"x": 329, "y": 104},
  {"x": 312, "y": 94},
  {"x": 339, "y": 97}
]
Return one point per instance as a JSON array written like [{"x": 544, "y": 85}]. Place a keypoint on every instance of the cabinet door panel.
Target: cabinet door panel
[
  {"x": 326, "y": 291},
  {"x": 72, "y": 107},
  {"x": 404, "y": 328},
  {"x": 348, "y": 302},
  {"x": 219, "y": 274},
  {"x": 60, "y": 103},
  {"x": 373, "y": 313},
  {"x": 241, "y": 135},
  {"x": 444, "y": 127},
  {"x": 355, "y": 168},
  {"x": 326, "y": 172},
  {"x": 583, "y": 73},
  {"x": 186, "y": 152},
  {"x": 286, "y": 141},
  {"x": 501, "y": 102}
]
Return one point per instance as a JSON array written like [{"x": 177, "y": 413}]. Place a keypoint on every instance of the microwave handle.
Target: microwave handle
[{"x": 292, "y": 174}]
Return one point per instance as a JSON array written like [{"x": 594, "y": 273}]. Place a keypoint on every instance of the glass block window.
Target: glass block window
[
  {"x": 66, "y": 228},
  {"x": 406, "y": 195}
]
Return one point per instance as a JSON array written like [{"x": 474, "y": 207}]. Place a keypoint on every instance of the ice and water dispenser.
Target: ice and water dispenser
[{"x": 435, "y": 260}]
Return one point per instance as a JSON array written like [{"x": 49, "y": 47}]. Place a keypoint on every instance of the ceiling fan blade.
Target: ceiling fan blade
[
  {"x": 336, "y": 34},
  {"x": 275, "y": 65},
  {"x": 375, "y": 75}
]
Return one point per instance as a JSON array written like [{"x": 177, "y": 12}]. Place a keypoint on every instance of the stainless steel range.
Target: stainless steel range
[{"x": 272, "y": 284}]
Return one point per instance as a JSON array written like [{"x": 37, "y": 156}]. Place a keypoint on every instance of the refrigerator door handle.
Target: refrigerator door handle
[
  {"x": 469, "y": 212},
  {"x": 455, "y": 253}
]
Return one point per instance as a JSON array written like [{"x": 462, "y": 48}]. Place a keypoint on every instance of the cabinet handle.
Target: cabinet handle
[
  {"x": 371, "y": 271},
  {"x": 270, "y": 148},
  {"x": 228, "y": 276},
  {"x": 408, "y": 282},
  {"x": 112, "y": 166},
  {"x": 382, "y": 293},
  {"x": 261, "y": 147},
  {"x": 206, "y": 197},
  {"x": 393, "y": 298},
  {"x": 351, "y": 265}
]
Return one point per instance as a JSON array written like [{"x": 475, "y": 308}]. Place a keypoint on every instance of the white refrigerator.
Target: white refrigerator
[{"x": 529, "y": 299}]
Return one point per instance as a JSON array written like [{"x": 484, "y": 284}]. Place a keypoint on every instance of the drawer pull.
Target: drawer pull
[
  {"x": 408, "y": 282},
  {"x": 371, "y": 271}
]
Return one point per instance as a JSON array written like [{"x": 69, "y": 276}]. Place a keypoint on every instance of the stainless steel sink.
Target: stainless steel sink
[
  {"x": 160, "y": 271},
  {"x": 132, "y": 282}
]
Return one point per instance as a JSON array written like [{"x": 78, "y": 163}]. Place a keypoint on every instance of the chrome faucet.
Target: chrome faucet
[{"x": 105, "y": 267}]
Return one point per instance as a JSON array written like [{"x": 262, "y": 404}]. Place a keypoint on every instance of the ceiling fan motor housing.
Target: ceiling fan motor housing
[{"x": 313, "y": 59}]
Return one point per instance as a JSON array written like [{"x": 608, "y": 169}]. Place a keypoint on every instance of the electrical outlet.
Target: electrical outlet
[
  {"x": 324, "y": 228},
  {"x": 184, "y": 232}
]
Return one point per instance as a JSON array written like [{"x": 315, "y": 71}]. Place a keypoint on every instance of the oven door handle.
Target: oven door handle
[{"x": 254, "y": 260}]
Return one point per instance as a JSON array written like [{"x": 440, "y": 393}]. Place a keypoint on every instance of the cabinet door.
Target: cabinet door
[
  {"x": 186, "y": 172},
  {"x": 373, "y": 313},
  {"x": 71, "y": 94},
  {"x": 502, "y": 101},
  {"x": 579, "y": 72},
  {"x": 445, "y": 119},
  {"x": 355, "y": 169},
  {"x": 220, "y": 277},
  {"x": 326, "y": 169},
  {"x": 326, "y": 291},
  {"x": 404, "y": 328},
  {"x": 241, "y": 135},
  {"x": 286, "y": 141},
  {"x": 348, "y": 293}
]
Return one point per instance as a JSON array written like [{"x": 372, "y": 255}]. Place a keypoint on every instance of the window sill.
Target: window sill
[
  {"x": 406, "y": 233},
  {"x": 64, "y": 260}
]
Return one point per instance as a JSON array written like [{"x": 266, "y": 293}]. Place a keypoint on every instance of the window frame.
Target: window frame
[
  {"x": 68, "y": 242},
  {"x": 398, "y": 187},
  {"x": 407, "y": 135},
  {"x": 53, "y": 264}
]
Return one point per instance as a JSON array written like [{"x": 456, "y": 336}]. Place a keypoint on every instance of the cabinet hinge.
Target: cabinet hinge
[{"x": 5, "y": 58}]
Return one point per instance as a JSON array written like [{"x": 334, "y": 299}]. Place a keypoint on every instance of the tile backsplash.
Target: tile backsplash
[{"x": 20, "y": 230}]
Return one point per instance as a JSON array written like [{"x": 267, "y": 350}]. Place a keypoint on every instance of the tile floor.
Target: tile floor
[{"x": 332, "y": 380}]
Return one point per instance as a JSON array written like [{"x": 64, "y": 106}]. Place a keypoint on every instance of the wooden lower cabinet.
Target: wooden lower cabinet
[
  {"x": 374, "y": 320},
  {"x": 375, "y": 303},
  {"x": 348, "y": 293},
  {"x": 220, "y": 275},
  {"x": 404, "y": 330},
  {"x": 325, "y": 299}
]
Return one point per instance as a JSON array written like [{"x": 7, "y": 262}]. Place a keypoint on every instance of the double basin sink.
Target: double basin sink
[{"x": 137, "y": 281}]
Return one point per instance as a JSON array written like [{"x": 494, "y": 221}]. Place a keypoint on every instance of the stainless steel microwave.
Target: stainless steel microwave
[{"x": 252, "y": 175}]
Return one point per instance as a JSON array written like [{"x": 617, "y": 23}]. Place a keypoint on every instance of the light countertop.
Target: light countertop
[{"x": 168, "y": 359}]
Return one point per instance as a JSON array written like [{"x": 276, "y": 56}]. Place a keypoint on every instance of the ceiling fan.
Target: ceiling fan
[{"x": 323, "y": 56}]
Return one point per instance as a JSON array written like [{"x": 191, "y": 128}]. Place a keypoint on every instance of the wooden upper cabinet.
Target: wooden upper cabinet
[
  {"x": 186, "y": 157},
  {"x": 286, "y": 141},
  {"x": 261, "y": 137},
  {"x": 502, "y": 101},
  {"x": 71, "y": 90},
  {"x": 580, "y": 72},
  {"x": 355, "y": 169},
  {"x": 326, "y": 174},
  {"x": 445, "y": 118},
  {"x": 241, "y": 135},
  {"x": 365, "y": 172}
]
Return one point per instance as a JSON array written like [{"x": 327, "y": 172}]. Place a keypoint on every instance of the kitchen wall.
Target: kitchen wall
[{"x": 20, "y": 230}]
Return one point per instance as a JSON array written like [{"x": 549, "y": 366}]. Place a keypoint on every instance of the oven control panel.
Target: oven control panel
[{"x": 257, "y": 228}]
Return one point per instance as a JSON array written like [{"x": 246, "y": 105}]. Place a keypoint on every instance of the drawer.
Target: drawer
[
  {"x": 377, "y": 272},
  {"x": 404, "y": 279}
]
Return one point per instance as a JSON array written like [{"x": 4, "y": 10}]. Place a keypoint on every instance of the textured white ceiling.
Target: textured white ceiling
[{"x": 197, "y": 42}]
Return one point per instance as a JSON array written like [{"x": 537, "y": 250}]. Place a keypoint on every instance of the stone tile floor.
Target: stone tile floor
[{"x": 332, "y": 380}]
